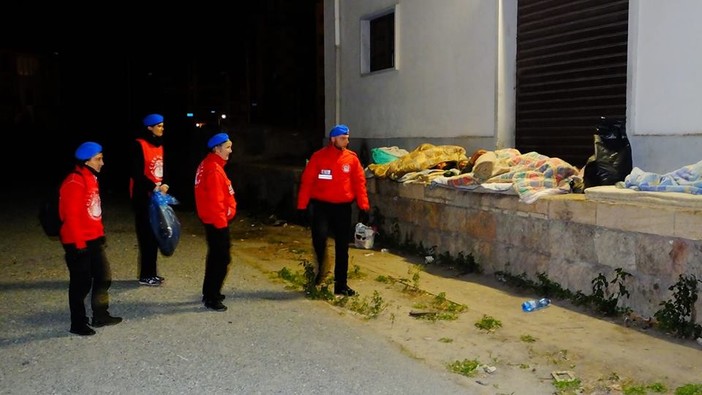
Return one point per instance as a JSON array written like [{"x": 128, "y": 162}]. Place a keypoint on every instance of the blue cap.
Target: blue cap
[
  {"x": 87, "y": 150},
  {"x": 217, "y": 139},
  {"x": 153, "y": 119},
  {"x": 338, "y": 130}
]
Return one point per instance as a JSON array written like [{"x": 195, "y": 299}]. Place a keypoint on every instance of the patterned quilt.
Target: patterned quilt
[{"x": 531, "y": 175}]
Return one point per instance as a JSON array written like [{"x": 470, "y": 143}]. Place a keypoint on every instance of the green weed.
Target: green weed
[
  {"x": 605, "y": 300},
  {"x": 567, "y": 387},
  {"x": 414, "y": 271},
  {"x": 488, "y": 323},
  {"x": 466, "y": 367},
  {"x": 385, "y": 279},
  {"x": 443, "y": 309},
  {"x": 356, "y": 272},
  {"x": 370, "y": 308},
  {"x": 640, "y": 389},
  {"x": 678, "y": 314},
  {"x": 527, "y": 338},
  {"x": 441, "y": 303},
  {"x": 689, "y": 389}
]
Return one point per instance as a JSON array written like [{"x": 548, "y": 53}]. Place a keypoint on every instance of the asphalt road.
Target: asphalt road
[{"x": 270, "y": 340}]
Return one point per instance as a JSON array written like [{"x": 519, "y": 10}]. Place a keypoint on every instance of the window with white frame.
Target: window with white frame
[{"x": 378, "y": 50}]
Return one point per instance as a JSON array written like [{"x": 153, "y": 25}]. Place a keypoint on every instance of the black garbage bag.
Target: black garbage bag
[
  {"x": 611, "y": 161},
  {"x": 164, "y": 222}
]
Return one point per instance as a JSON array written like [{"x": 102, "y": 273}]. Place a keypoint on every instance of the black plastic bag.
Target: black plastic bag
[
  {"x": 164, "y": 222},
  {"x": 611, "y": 161}
]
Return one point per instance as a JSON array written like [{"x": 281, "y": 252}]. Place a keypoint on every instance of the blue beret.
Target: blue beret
[
  {"x": 217, "y": 139},
  {"x": 153, "y": 119},
  {"x": 338, "y": 130},
  {"x": 87, "y": 150}
]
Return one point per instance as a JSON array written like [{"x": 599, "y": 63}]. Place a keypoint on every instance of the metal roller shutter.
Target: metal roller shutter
[{"x": 571, "y": 70}]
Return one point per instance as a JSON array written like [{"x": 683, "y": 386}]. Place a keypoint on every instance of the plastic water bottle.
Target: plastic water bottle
[{"x": 533, "y": 305}]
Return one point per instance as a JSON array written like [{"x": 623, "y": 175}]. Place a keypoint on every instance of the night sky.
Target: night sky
[{"x": 261, "y": 67}]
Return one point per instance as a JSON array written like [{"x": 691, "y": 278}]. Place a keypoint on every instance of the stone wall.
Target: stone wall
[{"x": 567, "y": 237}]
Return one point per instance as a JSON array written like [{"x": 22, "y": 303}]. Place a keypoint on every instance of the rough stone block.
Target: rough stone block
[
  {"x": 572, "y": 242},
  {"x": 614, "y": 249},
  {"x": 455, "y": 218},
  {"x": 502, "y": 202},
  {"x": 537, "y": 209},
  {"x": 440, "y": 195},
  {"x": 688, "y": 224},
  {"x": 526, "y": 233},
  {"x": 636, "y": 218},
  {"x": 573, "y": 275},
  {"x": 411, "y": 191},
  {"x": 467, "y": 199},
  {"x": 481, "y": 225},
  {"x": 661, "y": 257},
  {"x": 372, "y": 185},
  {"x": 572, "y": 210}
]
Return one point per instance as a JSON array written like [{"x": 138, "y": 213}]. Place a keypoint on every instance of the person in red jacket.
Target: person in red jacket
[
  {"x": 332, "y": 180},
  {"x": 146, "y": 174},
  {"x": 82, "y": 236},
  {"x": 216, "y": 207}
]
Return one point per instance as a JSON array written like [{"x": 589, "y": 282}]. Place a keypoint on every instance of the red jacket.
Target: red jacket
[
  {"x": 214, "y": 195},
  {"x": 80, "y": 208},
  {"x": 153, "y": 165},
  {"x": 334, "y": 176}
]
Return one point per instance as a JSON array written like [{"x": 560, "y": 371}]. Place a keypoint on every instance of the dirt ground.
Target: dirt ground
[
  {"x": 528, "y": 349},
  {"x": 520, "y": 357}
]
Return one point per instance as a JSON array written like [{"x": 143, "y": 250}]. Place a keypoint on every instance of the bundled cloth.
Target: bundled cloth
[
  {"x": 164, "y": 222},
  {"x": 531, "y": 175},
  {"x": 383, "y": 155},
  {"x": 425, "y": 156},
  {"x": 687, "y": 179}
]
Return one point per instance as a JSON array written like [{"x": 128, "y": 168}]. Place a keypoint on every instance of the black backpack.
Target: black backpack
[{"x": 49, "y": 212}]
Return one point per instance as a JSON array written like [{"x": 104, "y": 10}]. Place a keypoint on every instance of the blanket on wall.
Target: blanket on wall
[
  {"x": 530, "y": 175},
  {"x": 687, "y": 179},
  {"x": 425, "y": 156}
]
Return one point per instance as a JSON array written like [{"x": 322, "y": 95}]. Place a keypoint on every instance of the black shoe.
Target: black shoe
[
  {"x": 219, "y": 298},
  {"x": 215, "y": 305},
  {"x": 82, "y": 330},
  {"x": 161, "y": 279},
  {"x": 344, "y": 291},
  {"x": 150, "y": 281},
  {"x": 105, "y": 321}
]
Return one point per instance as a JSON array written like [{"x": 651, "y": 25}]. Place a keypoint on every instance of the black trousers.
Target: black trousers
[
  {"x": 216, "y": 262},
  {"x": 148, "y": 245},
  {"x": 88, "y": 270},
  {"x": 334, "y": 219}
]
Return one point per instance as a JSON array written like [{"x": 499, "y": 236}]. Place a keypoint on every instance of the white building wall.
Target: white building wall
[
  {"x": 446, "y": 86},
  {"x": 455, "y": 80},
  {"x": 665, "y": 84}
]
